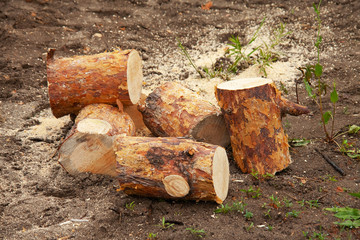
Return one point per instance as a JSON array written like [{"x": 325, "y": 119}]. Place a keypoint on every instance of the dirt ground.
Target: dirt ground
[{"x": 39, "y": 200}]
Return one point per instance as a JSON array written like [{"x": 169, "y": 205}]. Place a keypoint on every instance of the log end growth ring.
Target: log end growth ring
[
  {"x": 176, "y": 186},
  {"x": 134, "y": 76},
  {"x": 93, "y": 126},
  {"x": 220, "y": 172}
]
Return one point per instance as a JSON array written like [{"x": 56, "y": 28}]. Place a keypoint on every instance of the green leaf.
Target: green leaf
[
  {"x": 355, "y": 194},
  {"x": 354, "y": 129},
  {"x": 333, "y": 95},
  {"x": 298, "y": 142},
  {"x": 326, "y": 116},
  {"x": 318, "y": 70},
  {"x": 349, "y": 223},
  {"x": 353, "y": 156},
  {"x": 309, "y": 89},
  {"x": 318, "y": 41},
  {"x": 316, "y": 9},
  {"x": 348, "y": 213}
]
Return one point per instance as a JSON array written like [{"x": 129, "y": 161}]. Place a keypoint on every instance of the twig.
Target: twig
[{"x": 336, "y": 167}]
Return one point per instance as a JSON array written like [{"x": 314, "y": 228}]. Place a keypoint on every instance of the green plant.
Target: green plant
[
  {"x": 315, "y": 72},
  {"x": 187, "y": 55},
  {"x": 298, "y": 142},
  {"x": 275, "y": 201},
  {"x": 130, "y": 206},
  {"x": 270, "y": 228},
  {"x": 239, "y": 51},
  {"x": 349, "y": 150},
  {"x": 316, "y": 235},
  {"x": 198, "y": 233},
  {"x": 236, "y": 206},
  {"x": 165, "y": 225},
  {"x": 248, "y": 228},
  {"x": 152, "y": 236},
  {"x": 248, "y": 215},
  {"x": 329, "y": 178},
  {"x": 288, "y": 203},
  {"x": 350, "y": 216},
  {"x": 313, "y": 203},
  {"x": 293, "y": 213},
  {"x": 267, "y": 213},
  {"x": 250, "y": 192},
  {"x": 301, "y": 202}
]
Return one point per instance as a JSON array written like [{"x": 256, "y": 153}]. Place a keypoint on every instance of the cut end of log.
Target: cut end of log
[
  {"x": 220, "y": 172},
  {"x": 134, "y": 76},
  {"x": 212, "y": 129},
  {"x": 85, "y": 152},
  {"x": 92, "y": 126},
  {"x": 176, "y": 186},
  {"x": 244, "y": 83}
]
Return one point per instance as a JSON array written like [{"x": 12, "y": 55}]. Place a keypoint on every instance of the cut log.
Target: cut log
[
  {"x": 76, "y": 82},
  {"x": 89, "y": 145},
  {"x": 252, "y": 108},
  {"x": 172, "y": 168},
  {"x": 172, "y": 110}
]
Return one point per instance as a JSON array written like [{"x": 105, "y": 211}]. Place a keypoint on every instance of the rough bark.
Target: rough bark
[
  {"x": 76, "y": 82},
  {"x": 172, "y": 110},
  {"x": 172, "y": 168},
  {"x": 89, "y": 145},
  {"x": 252, "y": 109}
]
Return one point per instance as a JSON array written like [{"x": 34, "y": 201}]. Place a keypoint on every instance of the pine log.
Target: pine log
[
  {"x": 172, "y": 168},
  {"x": 172, "y": 110},
  {"x": 89, "y": 145},
  {"x": 253, "y": 108},
  {"x": 76, "y": 82}
]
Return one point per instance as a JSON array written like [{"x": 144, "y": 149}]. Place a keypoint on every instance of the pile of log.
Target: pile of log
[
  {"x": 102, "y": 92},
  {"x": 185, "y": 158}
]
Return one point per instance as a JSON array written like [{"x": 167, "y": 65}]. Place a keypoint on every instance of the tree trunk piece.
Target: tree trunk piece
[
  {"x": 76, "y": 82},
  {"x": 252, "y": 108},
  {"x": 89, "y": 145},
  {"x": 172, "y": 110},
  {"x": 172, "y": 168}
]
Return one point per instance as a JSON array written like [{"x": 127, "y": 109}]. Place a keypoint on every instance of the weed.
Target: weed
[
  {"x": 130, "y": 206},
  {"x": 248, "y": 215},
  {"x": 198, "y": 233},
  {"x": 165, "y": 225},
  {"x": 270, "y": 228},
  {"x": 320, "y": 235},
  {"x": 315, "y": 72},
  {"x": 248, "y": 228},
  {"x": 288, "y": 203},
  {"x": 301, "y": 203},
  {"x": 350, "y": 216},
  {"x": 293, "y": 214},
  {"x": 275, "y": 201},
  {"x": 298, "y": 142},
  {"x": 250, "y": 192},
  {"x": 313, "y": 203},
  {"x": 236, "y": 206},
  {"x": 329, "y": 178},
  {"x": 261, "y": 177},
  {"x": 255, "y": 174},
  {"x": 187, "y": 55},
  {"x": 152, "y": 236},
  {"x": 267, "y": 213},
  {"x": 349, "y": 150}
]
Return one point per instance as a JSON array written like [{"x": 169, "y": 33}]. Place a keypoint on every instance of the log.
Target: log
[
  {"x": 76, "y": 82},
  {"x": 89, "y": 145},
  {"x": 172, "y": 168},
  {"x": 253, "y": 108},
  {"x": 172, "y": 110}
]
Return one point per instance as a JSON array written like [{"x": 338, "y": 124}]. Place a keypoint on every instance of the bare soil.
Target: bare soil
[{"x": 39, "y": 200}]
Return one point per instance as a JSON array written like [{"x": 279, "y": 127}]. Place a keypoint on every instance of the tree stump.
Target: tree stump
[
  {"x": 172, "y": 168},
  {"x": 252, "y": 108},
  {"x": 172, "y": 110},
  {"x": 89, "y": 145},
  {"x": 76, "y": 82}
]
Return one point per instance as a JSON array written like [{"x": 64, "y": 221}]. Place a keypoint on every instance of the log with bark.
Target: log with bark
[
  {"x": 172, "y": 168},
  {"x": 76, "y": 82},
  {"x": 172, "y": 110},
  {"x": 253, "y": 108},
  {"x": 89, "y": 144}
]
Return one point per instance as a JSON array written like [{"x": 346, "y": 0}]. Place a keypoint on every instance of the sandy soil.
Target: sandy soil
[{"x": 39, "y": 200}]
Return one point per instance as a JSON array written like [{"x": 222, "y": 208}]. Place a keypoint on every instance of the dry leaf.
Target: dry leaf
[
  {"x": 339, "y": 189},
  {"x": 207, "y": 5}
]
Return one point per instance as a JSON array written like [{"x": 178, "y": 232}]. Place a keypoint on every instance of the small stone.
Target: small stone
[{"x": 98, "y": 35}]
